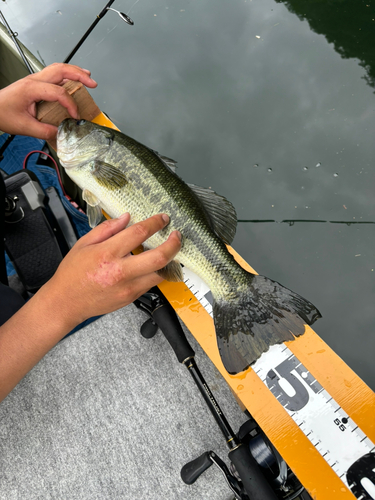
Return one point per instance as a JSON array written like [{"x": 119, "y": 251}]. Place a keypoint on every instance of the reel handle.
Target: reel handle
[{"x": 191, "y": 471}]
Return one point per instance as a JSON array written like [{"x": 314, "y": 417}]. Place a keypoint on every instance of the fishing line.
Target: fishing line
[
  {"x": 291, "y": 222},
  {"x": 132, "y": 7}
]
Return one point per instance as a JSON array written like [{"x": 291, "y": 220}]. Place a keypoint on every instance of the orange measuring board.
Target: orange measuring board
[{"x": 315, "y": 410}]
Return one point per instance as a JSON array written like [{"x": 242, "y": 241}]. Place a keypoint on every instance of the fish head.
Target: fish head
[{"x": 80, "y": 142}]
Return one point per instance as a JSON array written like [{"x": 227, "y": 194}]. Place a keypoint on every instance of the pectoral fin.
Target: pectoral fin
[
  {"x": 172, "y": 272},
  {"x": 94, "y": 212},
  {"x": 109, "y": 176}
]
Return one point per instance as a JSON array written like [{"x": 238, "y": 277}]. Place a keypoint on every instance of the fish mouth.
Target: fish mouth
[
  {"x": 65, "y": 128},
  {"x": 73, "y": 148},
  {"x": 65, "y": 148}
]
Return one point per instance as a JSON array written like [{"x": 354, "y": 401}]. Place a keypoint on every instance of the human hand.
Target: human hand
[
  {"x": 99, "y": 275},
  {"x": 18, "y": 100}
]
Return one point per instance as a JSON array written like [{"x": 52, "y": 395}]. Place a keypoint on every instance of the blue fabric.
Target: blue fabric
[{"x": 12, "y": 162}]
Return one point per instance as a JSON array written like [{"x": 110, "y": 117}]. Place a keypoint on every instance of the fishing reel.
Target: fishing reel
[{"x": 285, "y": 484}]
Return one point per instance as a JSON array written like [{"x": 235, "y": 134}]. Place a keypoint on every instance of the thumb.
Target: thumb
[{"x": 33, "y": 128}]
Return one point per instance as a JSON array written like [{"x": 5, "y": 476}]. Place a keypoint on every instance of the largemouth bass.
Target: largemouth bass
[{"x": 118, "y": 174}]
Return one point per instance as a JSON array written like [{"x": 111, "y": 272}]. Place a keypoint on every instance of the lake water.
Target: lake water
[{"x": 269, "y": 103}]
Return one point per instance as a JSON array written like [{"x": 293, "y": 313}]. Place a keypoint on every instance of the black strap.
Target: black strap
[
  {"x": 8, "y": 140},
  {"x": 3, "y": 269}
]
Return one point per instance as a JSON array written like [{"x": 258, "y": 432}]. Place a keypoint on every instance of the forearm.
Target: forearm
[
  {"x": 97, "y": 276},
  {"x": 28, "y": 335}
]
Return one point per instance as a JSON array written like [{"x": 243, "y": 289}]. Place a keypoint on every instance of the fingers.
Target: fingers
[
  {"x": 104, "y": 231},
  {"x": 122, "y": 242},
  {"x": 33, "y": 128},
  {"x": 126, "y": 241},
  {"x": 58, "y": 72},
  {"x": 152, "y": 260},
  {"x": 135, "y": 273},
  {"x": 41, "y": 91}
]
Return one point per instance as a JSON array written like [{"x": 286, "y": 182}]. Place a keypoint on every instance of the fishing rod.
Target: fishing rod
[
  {"x": 99, "y": 16},
  {"x": 263, "y": 473},
  {"x": 14, "y": 36}
]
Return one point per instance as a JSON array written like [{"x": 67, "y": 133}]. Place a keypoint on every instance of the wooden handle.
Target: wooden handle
[{"x": 54, "y": 113}]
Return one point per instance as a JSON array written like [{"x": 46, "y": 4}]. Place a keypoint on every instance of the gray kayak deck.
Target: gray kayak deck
[{"x": 108, "y": 414}]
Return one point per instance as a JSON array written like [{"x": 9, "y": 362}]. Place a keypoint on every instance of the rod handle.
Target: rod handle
[{"x": 166, "y": 319}]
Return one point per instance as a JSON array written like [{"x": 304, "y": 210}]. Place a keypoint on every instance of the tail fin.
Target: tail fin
[{"x": 265, "y": 314}]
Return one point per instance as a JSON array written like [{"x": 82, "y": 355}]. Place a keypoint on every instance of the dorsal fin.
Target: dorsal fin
[
  {"x": 168, "y": 162},
  {"x": 172, "y": 164},
  {"x": 221, "y": 212}
]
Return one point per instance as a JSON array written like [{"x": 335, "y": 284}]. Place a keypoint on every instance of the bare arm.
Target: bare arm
[{"x": 99, "y": 275}]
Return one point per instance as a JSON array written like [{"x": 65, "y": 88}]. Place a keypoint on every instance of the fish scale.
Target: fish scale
[{"x": 118, "y": 174}]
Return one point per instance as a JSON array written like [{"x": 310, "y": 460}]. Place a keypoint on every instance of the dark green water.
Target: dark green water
[{"x": 272, "y": 105}]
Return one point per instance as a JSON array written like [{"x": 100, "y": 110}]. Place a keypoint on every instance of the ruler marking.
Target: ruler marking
[
  {"x": 355, "y": 428},
  {"x": 327, "y": 440}
]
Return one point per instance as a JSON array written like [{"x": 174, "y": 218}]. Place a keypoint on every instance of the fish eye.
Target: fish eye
[{"x": 80, "y": 122}]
